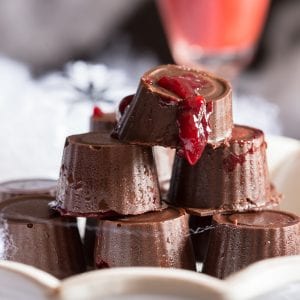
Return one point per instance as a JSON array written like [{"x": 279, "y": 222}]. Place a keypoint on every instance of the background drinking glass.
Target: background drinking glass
[{"x": 220, "y": 35}]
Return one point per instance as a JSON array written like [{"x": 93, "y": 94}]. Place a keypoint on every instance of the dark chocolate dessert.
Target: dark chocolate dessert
[
  {"x": 102, "y": 121},
  {"x": 23, "y": 187},
  {"x": 124, "y": 105},
  {"x": 34, "y": 234},
  {"x": 240, "y": 239},
  {"x": 178, "y": 107},
  {"x": 232, "y": 177},
  {"x": 100, "y": 176},
  {"x": 159, "y": 239}
]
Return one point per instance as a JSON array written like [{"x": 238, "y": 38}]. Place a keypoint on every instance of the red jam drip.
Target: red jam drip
[
  {"x": 97, "y": 112},
  {"x": 231, "y": 161},
  {"x": 193, "y": 114},
  {"x": 125, "y": 102}
]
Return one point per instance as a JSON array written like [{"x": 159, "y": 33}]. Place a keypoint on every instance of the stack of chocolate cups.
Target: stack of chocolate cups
[
  {"x": 220, "y": 178},
  {"x": 115, "y": 186},
  {"x": 226, "y": 175}
]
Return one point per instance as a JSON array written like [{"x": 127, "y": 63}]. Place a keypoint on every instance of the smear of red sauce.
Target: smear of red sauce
[
  {"x": 125, "y": 102},
  {"x": 97, "y": 112},
  {"x": 193, "y": 114}
]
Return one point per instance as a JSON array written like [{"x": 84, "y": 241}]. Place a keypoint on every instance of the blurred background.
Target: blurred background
[{"x": 52, "y": 51}]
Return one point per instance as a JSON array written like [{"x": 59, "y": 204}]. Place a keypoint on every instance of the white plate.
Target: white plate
[{"x": 276, "y": 279}]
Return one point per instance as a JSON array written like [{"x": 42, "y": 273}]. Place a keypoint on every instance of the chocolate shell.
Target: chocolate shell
[
  {"x": 34, "y": 234},
  {"x": 159, "y": 239},
  {"x": 243, "y": 238},
  {"x": 151, "y": 118},
  {"x": 100, "y": 176},
  {"x": 232, "y": 177},
  {"x": 25, "y": 187}
]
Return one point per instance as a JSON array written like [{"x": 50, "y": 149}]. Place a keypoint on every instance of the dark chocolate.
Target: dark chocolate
[
  {"x": 240, "y": 239},
  {"x": 232, "y": 177},
  {"x": 159, "y": 239},
  {"x": 100, "y": 176},
  {"x": 36, "y": 235}
]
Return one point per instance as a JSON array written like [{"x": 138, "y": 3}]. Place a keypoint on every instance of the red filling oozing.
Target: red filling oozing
[
  {"x": 97, "y": 112},
  {"x": 193, "y": 114},
  {"x": 125, "y": 102}
]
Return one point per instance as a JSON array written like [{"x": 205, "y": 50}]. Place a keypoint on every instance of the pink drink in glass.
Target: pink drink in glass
[{"x": 218, "y": 34}]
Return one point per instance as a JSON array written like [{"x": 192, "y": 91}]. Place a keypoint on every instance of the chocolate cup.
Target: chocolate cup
[
  {"x": 105, "y": 122},
  {"x": 200, "y": 228},
  {"x": 151, "y": 118},
  {"x": 100, "y": 176},
  {"x": 27, "y": 187},
  {"x": 159, "y": 239},
  {"x": 34, "y": 234},
  {"x": 240, "y": 239},
  {"x": 232, "y": 177}
]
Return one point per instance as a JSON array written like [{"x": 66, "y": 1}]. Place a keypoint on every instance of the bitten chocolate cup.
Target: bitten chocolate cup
[
  {"x": 33, "y": 234},
  {"x": 100, "y": 176},
  {"x": 244, "y": 238},
  {"x": 232, "y": 177},
  {"x": 159, "y": 239},
  {"x": 25, "y": 187},
  {"x": 105, "y": 122},
  {"x": 151, "y": 118}
]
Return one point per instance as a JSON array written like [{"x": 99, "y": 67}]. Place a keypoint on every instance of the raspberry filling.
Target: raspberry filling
[
  {"x": 193, "y": 114},
  {"x": 125, "y": 102}
]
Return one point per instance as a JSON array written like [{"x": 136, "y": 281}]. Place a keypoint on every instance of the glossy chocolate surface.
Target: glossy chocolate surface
[
  {"x": 158, "y": 239},
  {"x": 36, "y": 235},
  {"x": 240, "y": 239},
  {"x": 265, "y": 219},
  {"x": 26, "y": 208},
  {"x": 100, "y": 176},
  {"x": 232, "y": 177}
]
